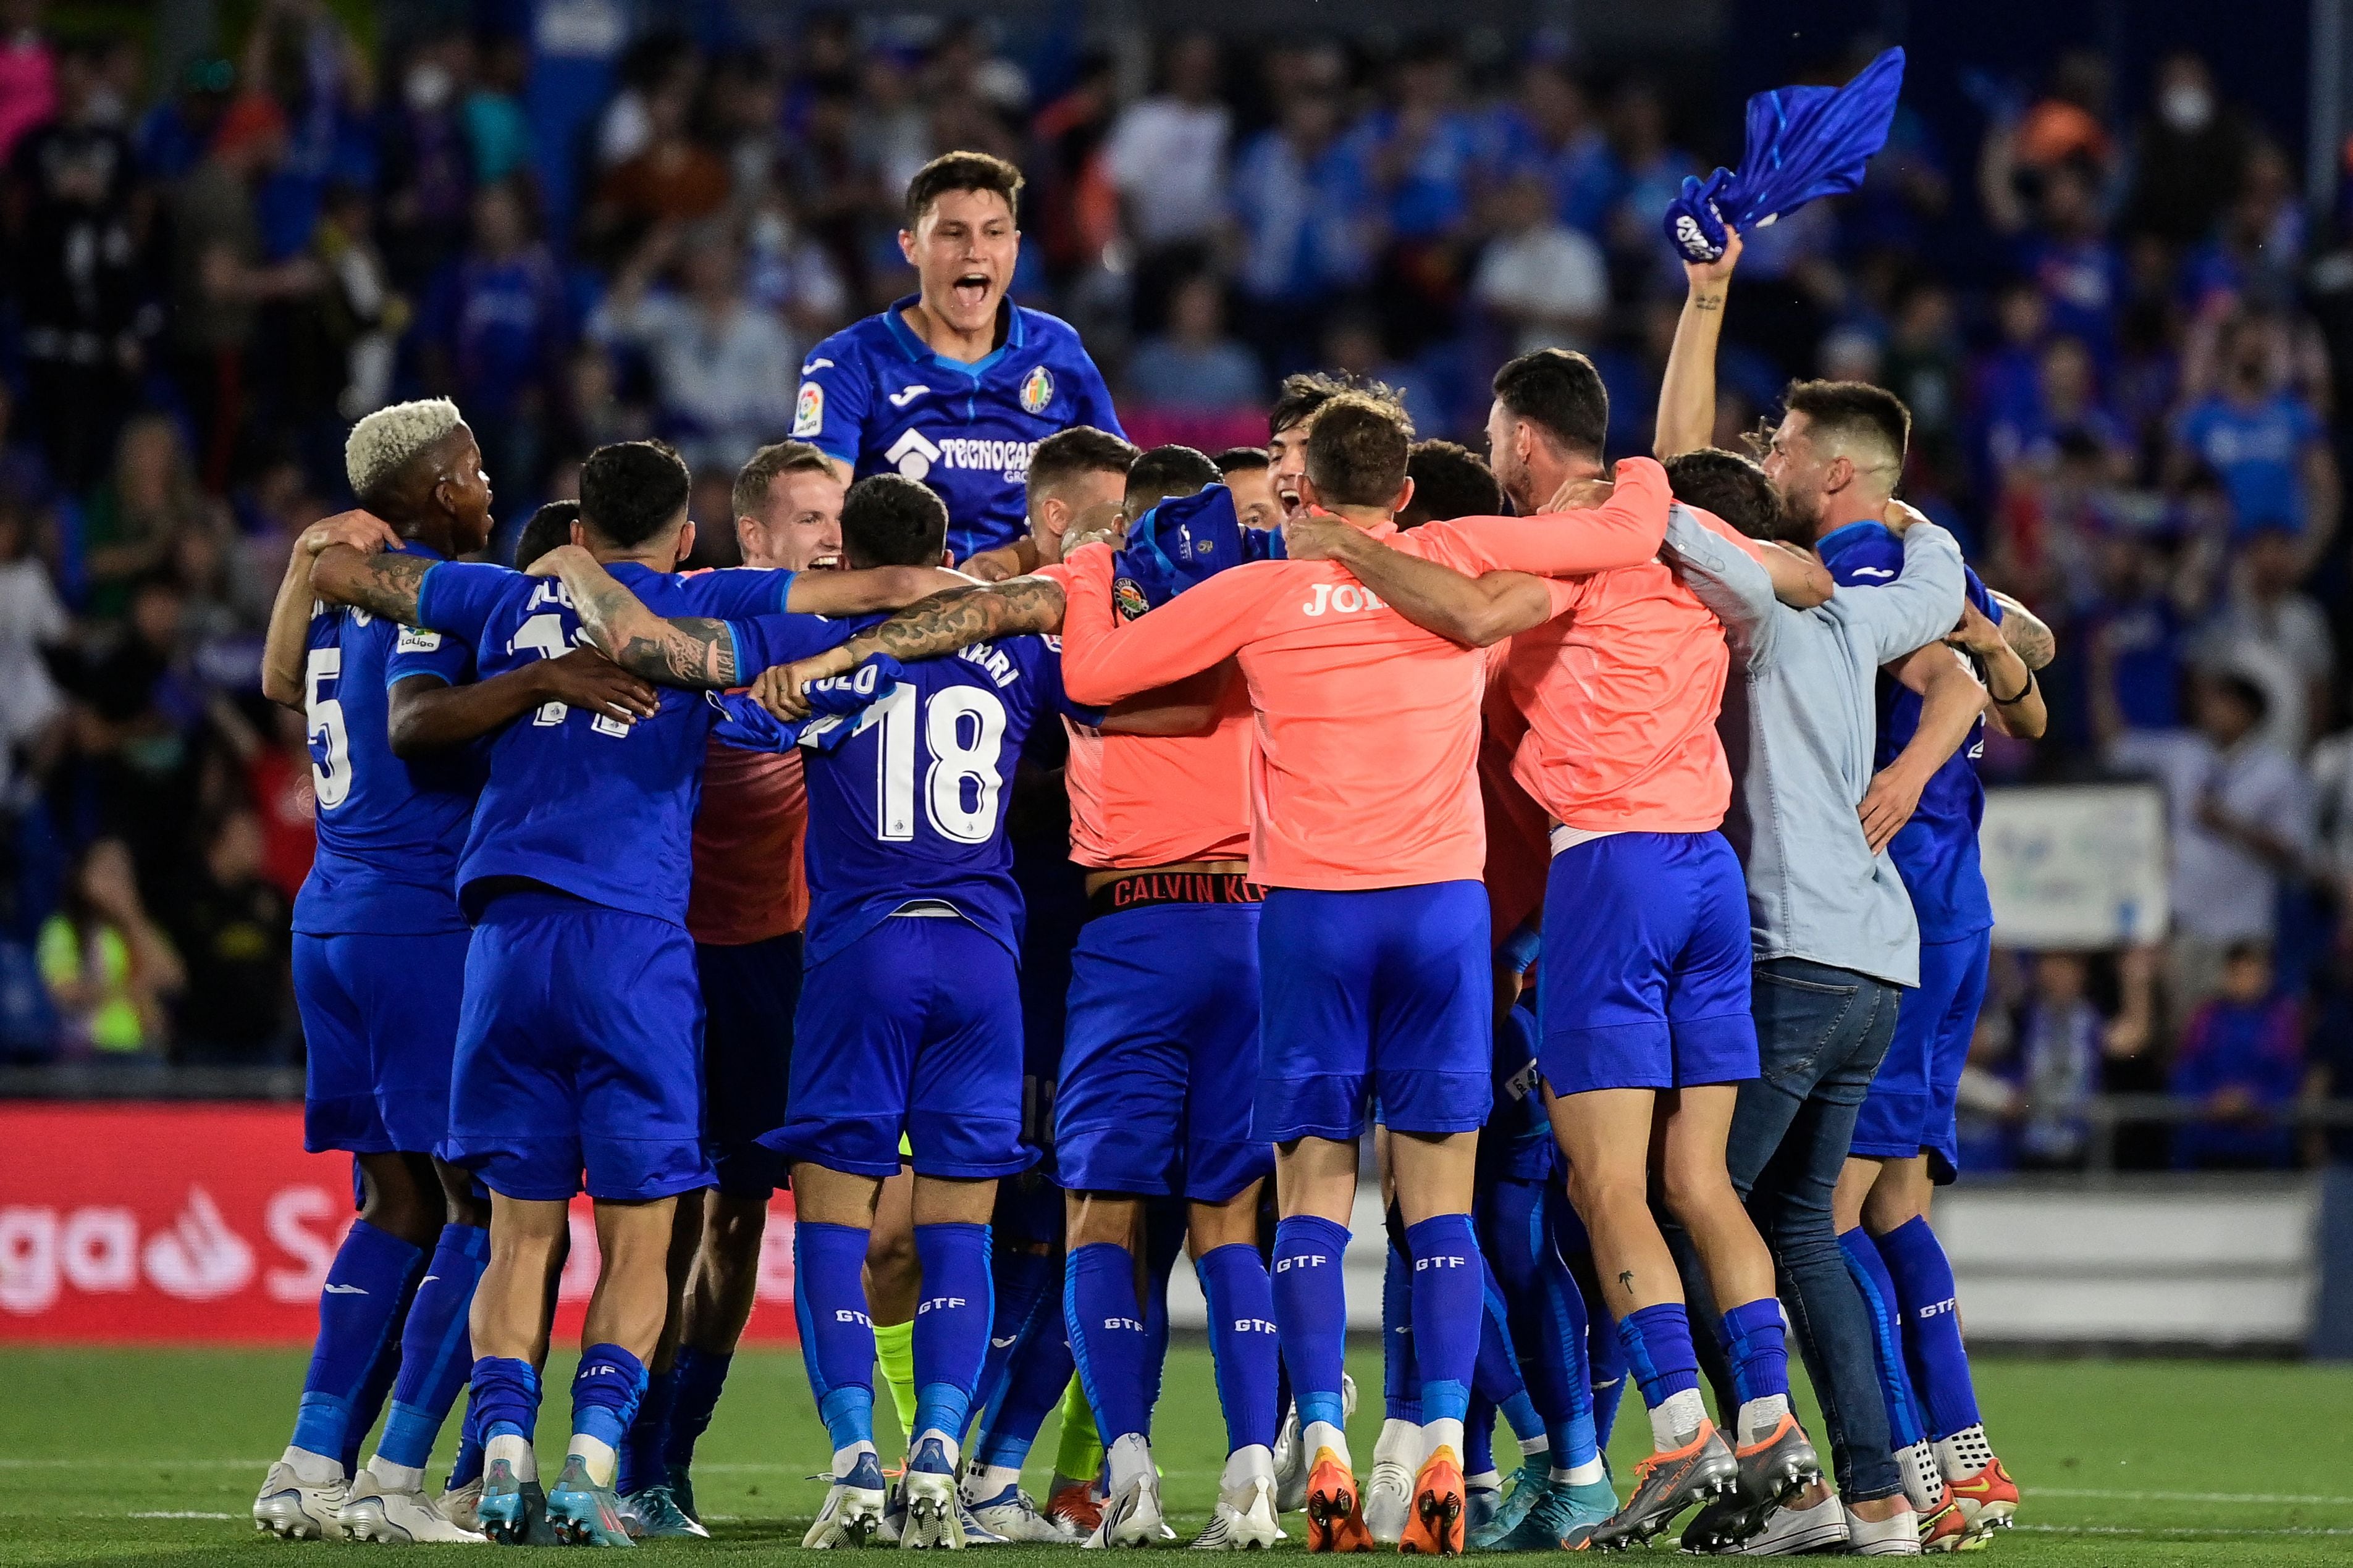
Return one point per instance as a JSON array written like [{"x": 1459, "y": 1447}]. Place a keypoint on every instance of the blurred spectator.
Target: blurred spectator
[
  {"x": 427, "y": 166},
  {"x": 2242, "y": 1059},
  {"x": 1304, "y": 204},
  {"x": 343, "y": 340},
  {"x": 2065, "y": 1045},
  {"x": 75, "y": 239},
  {"x": 2264, "y": 439},
  {"x": 2136, "y": 639},
  {"x": 220, "y": 280},
  {"x": 1194, "y": 364},
  {"x": 28, "y": 90},
  {"x": 1644, "y": 173},
  {"x": 1542, "y": 283},
  {"x": 2192, "y": 154},
  {"x": 1547, "y": 130},
  {"x": 497, "y": 322},
  {"x": 2275, "y": 635},
  {"x": 2240, "y": 812},
  {"x": 2067, "y": 255},
  {"x": 235, "y": 931},
  {"x": 498, "y": 136},
  {"x": 1924, "y": 366},
  {"x": 672, "y": 178},
  {"x": 32, "y": 622},
  {"x": 723, "y": 368},
  {"x": 140, "y": 713},
  {"x": 132, "y": 518},
  {"x": 1166, "y": 158},
  {"x": 107, "y": 968}
]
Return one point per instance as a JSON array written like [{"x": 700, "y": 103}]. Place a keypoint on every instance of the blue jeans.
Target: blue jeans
[{"x": 1821, "y": 1033}]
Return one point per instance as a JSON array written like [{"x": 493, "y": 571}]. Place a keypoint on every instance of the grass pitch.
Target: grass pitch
[{"x": 152, "y": 1457}]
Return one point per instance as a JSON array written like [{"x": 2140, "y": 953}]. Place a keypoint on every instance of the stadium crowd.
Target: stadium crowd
[{"x": 2123, "y": 404}]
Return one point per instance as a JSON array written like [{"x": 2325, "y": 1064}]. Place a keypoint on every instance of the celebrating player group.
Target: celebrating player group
[{"x": 1599, "y": 845}]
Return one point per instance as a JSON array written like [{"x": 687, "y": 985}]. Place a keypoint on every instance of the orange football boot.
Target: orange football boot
[
  {"x": 1433, "y": 1527},
  {"x": 1334, "y": 1520}
]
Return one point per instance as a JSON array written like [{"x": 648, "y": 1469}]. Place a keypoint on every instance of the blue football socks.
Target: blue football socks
[
  {"x": 952, "y": 1319},
  {"x": 1240, "y": 1297},
  {"x": 837, "y": 1336},
  {"x": 360, "y": 1310},
  {"x": 436, "y": 1352},
  {"x": 1107, "y": 1336}
]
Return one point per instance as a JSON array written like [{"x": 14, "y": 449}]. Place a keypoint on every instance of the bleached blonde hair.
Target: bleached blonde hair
[{"x": 386, "y": 441}]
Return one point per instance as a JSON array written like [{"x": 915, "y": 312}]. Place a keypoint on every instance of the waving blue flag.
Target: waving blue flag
[
  {"x": 1803, "y": 142},
  {"x": 1184, "y": 540}
]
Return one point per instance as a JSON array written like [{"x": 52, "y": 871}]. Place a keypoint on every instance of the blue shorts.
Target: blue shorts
[
  {"x": 1162, "y": 1058},
  {"x": 749, "y": 993},
  {"x": 1516, "y": 1144},
  {"x": 379, "y": 1029},
  {"x": 580, "y": 1050},
  {"x": 1383, "y": 992},
  {"x": 1645, "y": 978},
  {"x": 914, "y": 1028},
  {"x": 1910, "y": 1107}
]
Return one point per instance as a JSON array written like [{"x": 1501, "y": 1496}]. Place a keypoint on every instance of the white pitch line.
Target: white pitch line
[
  {"x": 2262, "y": 1499},
  {"x": 178, "y": 1513},
  {"x": 97, "y": 1464},
  {"x": 2187, "y": 1532}
]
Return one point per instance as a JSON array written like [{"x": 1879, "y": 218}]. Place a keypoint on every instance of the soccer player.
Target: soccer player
[
  {"x": 1449, "y": 480},
  {"x": 956, "y": 385},
  {"x": 1246, "y": 474},
  {"x": 1373, "y": 952},
  {"x": 1645, "y": 985},
  {"x": 745, "y": 910},
  {"x": 1161, "y": 1032},
  {"x": 379, "y": 954},
  {"x": 576, "y": 1045}
]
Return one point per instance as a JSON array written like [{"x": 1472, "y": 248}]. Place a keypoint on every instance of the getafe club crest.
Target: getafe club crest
[
  {"x": 1037, "y": 391},
  {"x": 1128, "y": 599}
]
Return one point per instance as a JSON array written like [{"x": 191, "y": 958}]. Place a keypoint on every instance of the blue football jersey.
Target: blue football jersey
[
  {"x": 912, "y": 805},
  {"x": 598, "y": 808},
  {"x": 875, "y": 396},
  {"x": 1936, "y": 851},
  {"x": 389, "y": 831}
]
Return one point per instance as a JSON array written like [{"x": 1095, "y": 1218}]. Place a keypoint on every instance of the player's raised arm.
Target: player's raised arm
[
  {"x": 697, "y": 652},
  {"x": 1477, "y": 611},
  {"x": 1687, "y": 395},
  {"x": 1103, "y": 660},
  {"x": 385, "y": 585}
]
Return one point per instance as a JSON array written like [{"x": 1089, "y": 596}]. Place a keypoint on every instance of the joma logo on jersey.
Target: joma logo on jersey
[
  {"x": 941, "y": 1303},
  {"x": 1303, "y": 1260},
  {"x": 1343, "y": 597}
]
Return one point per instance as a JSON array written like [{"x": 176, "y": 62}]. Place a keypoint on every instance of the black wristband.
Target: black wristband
[{"x": 2025, "y": 693}]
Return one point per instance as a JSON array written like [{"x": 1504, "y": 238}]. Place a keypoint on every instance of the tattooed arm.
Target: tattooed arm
[
  {"x": 693, "y": 651},
  {"x": 2026, "y": 633},
  {"x": 941, "y": 623},
  {"x": 384, "y": 585}
]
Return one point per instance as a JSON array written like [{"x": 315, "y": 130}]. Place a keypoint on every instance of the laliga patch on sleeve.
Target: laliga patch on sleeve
[
  {"x": 414, "y": 640},
  {"x": 808, "y": 410}
]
